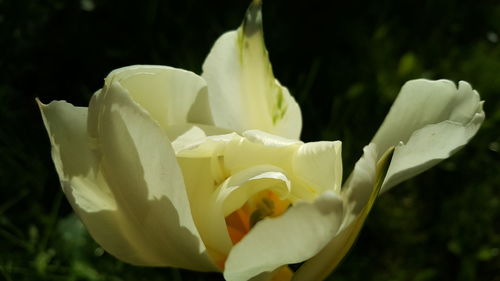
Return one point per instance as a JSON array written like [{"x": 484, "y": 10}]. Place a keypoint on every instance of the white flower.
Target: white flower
[{"x": 167, "y": 168}]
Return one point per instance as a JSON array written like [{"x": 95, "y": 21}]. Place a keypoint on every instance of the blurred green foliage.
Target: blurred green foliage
[{"x": 344, "y": 61}]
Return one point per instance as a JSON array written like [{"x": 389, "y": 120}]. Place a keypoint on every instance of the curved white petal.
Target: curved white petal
[
  {"x": 152, "y": 211},
  {"x": 67, "y": 129},
  {"x": 81, "y": 180},
  {"x": 359, "y": 193},
  {"x": 236, "y": 190},
  {"x": 297, "y": 235},
  {"x": 426, "y": 148},
  {"x": 170, "y": 95},
  {"x": 319, "y": 164},
  {"x": 72, "y": 155},
  {"x": 243, "y": 92},
  {"x": 433, "y": 119}
]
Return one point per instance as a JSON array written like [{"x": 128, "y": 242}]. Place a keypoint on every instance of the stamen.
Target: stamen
[{"x": 262, "y": 205}]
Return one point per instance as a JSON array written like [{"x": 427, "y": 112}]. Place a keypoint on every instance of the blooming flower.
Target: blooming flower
[{"x": 167, "y": 168}]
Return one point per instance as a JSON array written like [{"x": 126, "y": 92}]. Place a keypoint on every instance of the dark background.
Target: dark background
[{"x": 343, "y": 61}]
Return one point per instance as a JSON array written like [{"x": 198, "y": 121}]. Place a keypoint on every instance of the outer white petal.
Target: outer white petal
[
  {"x": 360, "y": 193},
  {"x": 433, "y": 119},
  {"x": 82, "y": 182},
  {"x": 72, "y": 156},
  {"x": 295, "y": 236},
  {"x": 171, "y": 96},
  {"x": 243, "y": 92},
  {"x": 153, "y": 213},
  {"x": 426, "y": 148},
  {"x": 67, "y": 129}
]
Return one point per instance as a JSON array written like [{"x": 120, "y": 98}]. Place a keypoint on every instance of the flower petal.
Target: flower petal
[
  {"x": 190, "y": 134},
  {"x": 171, "y": 96},
  {"x": 72, "y": 156},
  {"x": 433, "y": 119},
  {"x": 67, "y": 129},
  {"x": 267, "y": 139},
  {"x": 199, "y": 179},
  {"x": 81, "y": 179},
  {"x": 361, "y": 190},
  {"x": 187, "y": 136},
  {"x": 139, "y": 165},
  {"x": 293, "y": 237},
  {"x": 319, "y": 164},
  {"x": 243, "y": 92},
  {"x": 260, "y": 148},
  {"x": 237, "y": 189},
  {"x": 426, "y": 148}
]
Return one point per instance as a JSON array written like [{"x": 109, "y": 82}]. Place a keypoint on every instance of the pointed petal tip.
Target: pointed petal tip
[
  {"x": 44, "y": 106},
  {"x": 252, "y": 22},
  {"x": 41, "y": 105},
  {"x": 256, "y": 5},
  {"x": 385, "y": 159}
]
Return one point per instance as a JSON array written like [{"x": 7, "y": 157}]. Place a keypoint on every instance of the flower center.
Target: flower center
[{"x": 262, "y": 205}]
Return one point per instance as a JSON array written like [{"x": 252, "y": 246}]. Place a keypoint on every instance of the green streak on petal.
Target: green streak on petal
[{"x": 279, "y": 109}]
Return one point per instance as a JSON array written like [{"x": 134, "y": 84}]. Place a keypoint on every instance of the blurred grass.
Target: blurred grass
[{"x": 344, "y": 63}]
